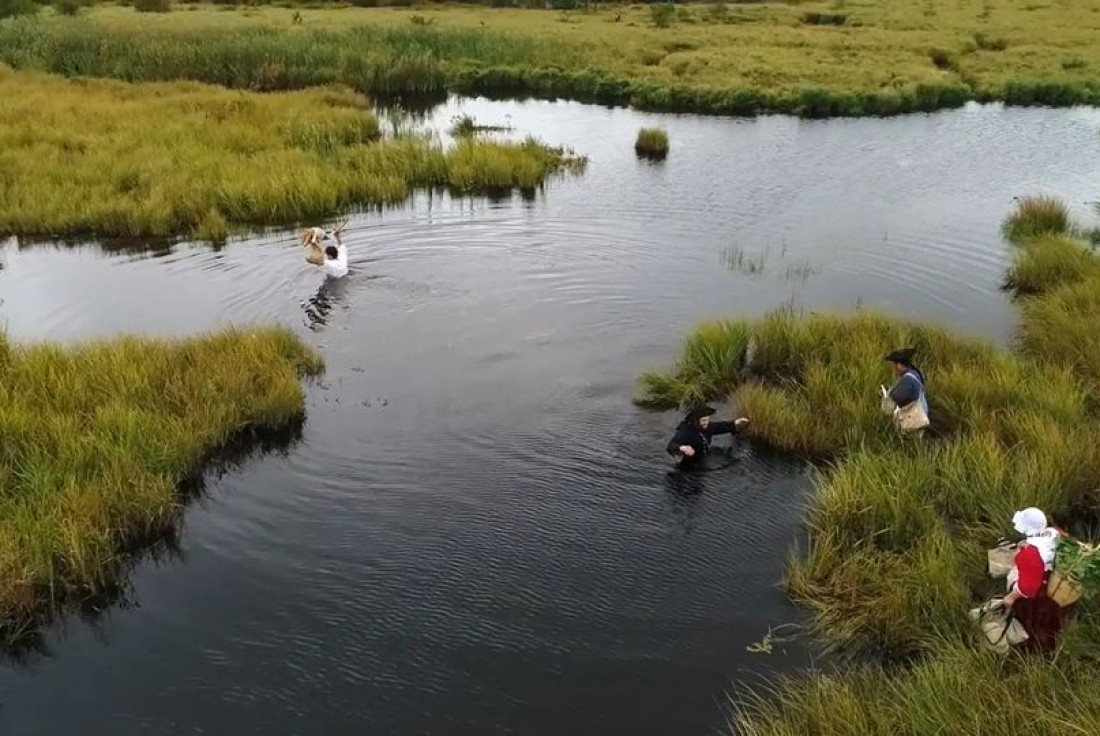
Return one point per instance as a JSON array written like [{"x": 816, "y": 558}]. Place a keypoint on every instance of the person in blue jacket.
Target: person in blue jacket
[{"x": 910, "y": 386}]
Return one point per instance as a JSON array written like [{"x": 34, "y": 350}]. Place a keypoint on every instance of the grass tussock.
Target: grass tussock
[
  {"x": 896, "y": 533},
  {"x": 1035, "y": 216},
  {"x": 96, "y": 440},
  {"x": 651, "y": 143},
  {"x": 121, "y": 159},
  {"x": 1051, "y": 261},
  {"x": 962, "y": 690},
  {"x": 765, "y": 57}
]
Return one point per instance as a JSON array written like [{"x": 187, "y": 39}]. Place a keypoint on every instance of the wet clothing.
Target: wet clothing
[
  {"x": 337, "y": 267},
  {"x": 688, "y": 433},
  {"x": 910, "y": 388}
]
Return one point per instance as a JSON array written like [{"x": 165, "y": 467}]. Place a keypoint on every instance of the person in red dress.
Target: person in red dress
[{"x": 1040, "y": 616}]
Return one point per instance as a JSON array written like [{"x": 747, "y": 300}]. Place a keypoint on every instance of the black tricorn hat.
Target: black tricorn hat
[
  {"x": 903, "y": 356},
  {"x": 699, "y": 412}
]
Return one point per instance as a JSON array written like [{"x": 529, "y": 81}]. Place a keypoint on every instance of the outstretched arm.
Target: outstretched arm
[{"x": 733, "y": 427}]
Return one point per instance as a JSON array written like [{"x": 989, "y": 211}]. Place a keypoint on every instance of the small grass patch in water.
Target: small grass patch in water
[
  {"x": 465, "y": 126},
  {"x": 1034, "y": 216},
  {"x": 652, "y": 143},
  {"x": 164, "y": 159},
  {"x": 97, "y": 439}
]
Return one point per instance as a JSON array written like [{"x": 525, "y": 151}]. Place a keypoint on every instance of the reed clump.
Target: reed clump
[
  {"x": 896, "y": 532},
  {"x": 652, "y": 143},
  {"x": 1035, "y": 216},
  {"x": 97, "y": 438},
  {"x": 1050, "y": 261},
  {"x": 767, "y": 60},
  {"x": 112, "y": 158}
]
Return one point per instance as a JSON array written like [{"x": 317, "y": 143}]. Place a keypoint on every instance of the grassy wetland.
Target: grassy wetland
[
  {"x": 110, "y": 158},
  {"x": 897, "y": 530},
  {"x": 98, "y": 437},
  {"x": 852, "y": 57}
]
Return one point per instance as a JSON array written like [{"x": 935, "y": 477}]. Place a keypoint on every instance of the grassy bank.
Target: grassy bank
[
  {"x": 882, "y": 58},
  {"x": 113, "y": 158},
  {"x": 897, "y": 531},
  {"x": 96, "y": 439}
]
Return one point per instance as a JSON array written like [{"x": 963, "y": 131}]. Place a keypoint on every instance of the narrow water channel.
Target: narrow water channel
[{"x": 477, "y": 532}]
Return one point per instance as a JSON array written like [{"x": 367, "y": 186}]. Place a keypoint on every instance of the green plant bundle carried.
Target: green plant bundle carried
[{"x": 1076, "y": 572}]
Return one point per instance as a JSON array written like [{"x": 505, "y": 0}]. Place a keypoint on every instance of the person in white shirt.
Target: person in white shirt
[{"x": 336, "y": 261}]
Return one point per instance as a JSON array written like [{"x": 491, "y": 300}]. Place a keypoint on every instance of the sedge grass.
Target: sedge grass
[
  {"x": 651, "y": 143},
  {"x": 97, "y": 438},
  {"x": 114, "y": 158},
  {"x": 886, "y": 58},
  {"x": 896, "y": 533},
  {"x": 1051, "y": 261},
  {"x": 963, "y": 690},
  {"x": 1035, "y": 216}
]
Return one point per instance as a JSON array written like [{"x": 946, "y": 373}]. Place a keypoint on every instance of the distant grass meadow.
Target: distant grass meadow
[
  {"x": 852, "y": 57},
  {"x": 897, "y": 530},
  {"x": 110, "y": 158},
  {"x": 95, "y": 440}
]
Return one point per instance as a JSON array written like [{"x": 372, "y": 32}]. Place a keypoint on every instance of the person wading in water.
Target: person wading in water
[{"x": 691, "y": 443}]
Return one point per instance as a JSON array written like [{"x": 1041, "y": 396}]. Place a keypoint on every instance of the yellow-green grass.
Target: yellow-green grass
[
  {"x": 95, "y": 440},
  {"x": 960, "y": 691},
  {"x": 113, "y": 158},
  {"x": 887, "y": 57},
  {"x": 896, "y": 532},
  {"x": 651, "y": 143},
  {"x": 1035, "y": 216}
]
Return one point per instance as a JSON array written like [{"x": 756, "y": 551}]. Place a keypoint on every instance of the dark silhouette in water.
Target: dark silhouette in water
[
  {"x": 691, "y": 443},
  {"x": 317, "y": 308}
]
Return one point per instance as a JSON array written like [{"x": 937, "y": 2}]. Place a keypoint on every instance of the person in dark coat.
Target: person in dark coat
[{"x": 691, "y": 443}]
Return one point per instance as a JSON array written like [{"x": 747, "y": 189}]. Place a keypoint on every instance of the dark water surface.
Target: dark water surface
[{"x": 477, "y": 532}]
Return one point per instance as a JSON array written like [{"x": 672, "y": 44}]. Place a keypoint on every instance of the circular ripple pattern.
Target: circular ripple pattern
[{"x": 477, "y": 532}]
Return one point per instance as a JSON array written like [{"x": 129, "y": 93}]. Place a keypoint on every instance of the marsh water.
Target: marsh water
[{"x": 476, "y": 531}]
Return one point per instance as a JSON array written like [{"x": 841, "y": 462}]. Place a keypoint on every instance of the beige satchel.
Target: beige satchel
[
  {"x": 911, "y": 418},
  {"x": 999, "y": 627},
  {"x": 1001, "y": 559}
]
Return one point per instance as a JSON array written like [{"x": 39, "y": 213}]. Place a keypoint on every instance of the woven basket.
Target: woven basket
[{"x": 1062, "y": 589}]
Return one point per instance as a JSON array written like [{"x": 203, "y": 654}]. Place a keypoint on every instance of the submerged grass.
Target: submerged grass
[
  {"x": 897, "y": 531},
  {"x": 95, "y": 441},
  {"x": 122, "y": 159},
  {"x": 876, "y": 57}
]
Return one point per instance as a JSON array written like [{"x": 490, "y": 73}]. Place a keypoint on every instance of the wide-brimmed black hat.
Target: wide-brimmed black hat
[
  {"x": 903, "y": 356},
  {"x": 699, "y": 412}
]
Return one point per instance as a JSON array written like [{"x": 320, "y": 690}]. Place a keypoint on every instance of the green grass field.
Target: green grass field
[
  {"x": 897, "y": 530},
  {"x": 96, "y": 439},
  {"x": 110, "y": 158},
  {"x": 886, "y": 57}
]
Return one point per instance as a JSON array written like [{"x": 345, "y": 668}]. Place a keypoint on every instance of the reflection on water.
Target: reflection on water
[{"x": 477, "y": 531}]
